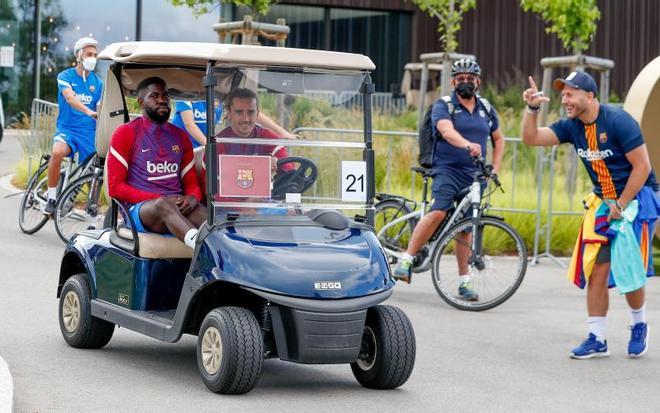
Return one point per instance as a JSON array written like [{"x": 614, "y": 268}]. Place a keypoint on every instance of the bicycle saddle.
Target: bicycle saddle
[{"x": 422, "y": 171}]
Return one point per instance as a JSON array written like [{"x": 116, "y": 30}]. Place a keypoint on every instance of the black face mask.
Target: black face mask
[{"x": 466, "y": 90}]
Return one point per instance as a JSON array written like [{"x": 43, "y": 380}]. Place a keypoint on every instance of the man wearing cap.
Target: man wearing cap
[
  {"x": 78, "y": 93},
  {"x": 610, "y": 144}
]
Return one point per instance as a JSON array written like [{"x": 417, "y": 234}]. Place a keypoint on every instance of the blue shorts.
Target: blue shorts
[
  {"x": 82, "y": 142},
  {"x": 446, "y": 185},
  {"x": 134, "y": 212}
]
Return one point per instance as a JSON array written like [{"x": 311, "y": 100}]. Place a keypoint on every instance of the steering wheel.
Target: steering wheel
[{"x": 294, "y": 181}]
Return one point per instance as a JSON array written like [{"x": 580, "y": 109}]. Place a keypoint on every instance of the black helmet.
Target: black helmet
[{"x": 465, "y": 66}]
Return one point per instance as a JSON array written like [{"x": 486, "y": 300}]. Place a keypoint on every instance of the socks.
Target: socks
[
  {"x": 52, "y": 193},
  {"x": 464, "y": 278},
  {"x": 639, "y": 315},
  {"x": 407, "y": 257},
  {"x": 597, "y": 327},
  {"x": 190, "y": 237}
]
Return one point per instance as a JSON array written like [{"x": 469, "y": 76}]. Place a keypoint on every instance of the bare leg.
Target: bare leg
[
  {"x": 636, "y": 298},
  {"x": 60, "y": 150},
  {"x": 597, "y": 292},
  {"x": 463, "y": 252},
  {"x": 424, "y": 230},
  {"x": 162, "y": 215},
  {"x": 197, "y": 216}
]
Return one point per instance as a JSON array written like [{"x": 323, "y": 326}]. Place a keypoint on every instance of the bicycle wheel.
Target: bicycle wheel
[
  {"x": 81, "y": 206},
  {"x": 396, "y": 237},
  {"x": 30, "y": 217},
  {"x": 495, "y": 275}
]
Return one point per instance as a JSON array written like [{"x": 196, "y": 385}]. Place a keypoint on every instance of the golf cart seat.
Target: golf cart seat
[{"x": 144, "y": 245}]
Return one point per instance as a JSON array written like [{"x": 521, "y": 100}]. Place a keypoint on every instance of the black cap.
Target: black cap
[{"x": 577, "y": 80}]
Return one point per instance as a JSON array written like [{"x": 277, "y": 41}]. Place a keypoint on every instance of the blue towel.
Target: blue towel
[{"x": 627, "y": 266}]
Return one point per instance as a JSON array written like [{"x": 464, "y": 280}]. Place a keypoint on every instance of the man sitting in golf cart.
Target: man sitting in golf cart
[
  {"x": 151, "y": 169},
  {"x": 242, "y": 109}
]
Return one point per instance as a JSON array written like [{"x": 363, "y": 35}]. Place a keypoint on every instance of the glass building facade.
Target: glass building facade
[
  {"x": 65, "y": 21},
  {"x": 384, "y": 36}
]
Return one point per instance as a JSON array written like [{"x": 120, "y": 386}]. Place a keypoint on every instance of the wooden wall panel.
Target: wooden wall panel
[{"x": 510, "y": 43}]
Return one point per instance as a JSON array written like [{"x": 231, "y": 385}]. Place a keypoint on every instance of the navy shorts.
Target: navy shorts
[{"x": 446, "y": 186}]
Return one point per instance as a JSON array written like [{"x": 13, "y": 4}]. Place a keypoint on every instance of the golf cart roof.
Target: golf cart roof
[{"x": 199, "y": 54}]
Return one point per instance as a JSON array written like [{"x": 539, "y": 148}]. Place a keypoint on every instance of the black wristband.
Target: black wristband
[{"x": 534, "y": 108}]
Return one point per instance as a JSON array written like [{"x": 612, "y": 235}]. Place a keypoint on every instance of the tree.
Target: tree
[
  {"x": 450, "y": 14},
  {"x": 200, "y": 7},
  {"x": 573, "y": 21}
]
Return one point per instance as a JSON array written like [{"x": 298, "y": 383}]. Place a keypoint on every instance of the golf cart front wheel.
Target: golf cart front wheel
[
  {"x": 230, "y": 350},
  {"x": 79, "y": 327},
  {"x": 387, "y": 352}
]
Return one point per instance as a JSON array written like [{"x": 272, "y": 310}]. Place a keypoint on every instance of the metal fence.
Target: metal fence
[
  {"x": 381, "y": 102},
  {"x": 546, "y": 160},
  {"x": 43, "y": 118},
  {"x": 544, "y": 177}
]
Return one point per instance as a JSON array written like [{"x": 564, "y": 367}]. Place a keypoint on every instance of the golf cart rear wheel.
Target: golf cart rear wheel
[
  {"x": 387, "y": 353},
  {"x": 79, "y": 327},
  {"x": 230, "y": 350}
]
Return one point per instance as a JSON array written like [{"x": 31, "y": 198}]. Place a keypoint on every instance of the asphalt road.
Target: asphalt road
[{"x": 509, "y": 359}]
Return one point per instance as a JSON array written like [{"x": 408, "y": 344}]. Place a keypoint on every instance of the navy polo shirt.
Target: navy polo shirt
[
  {"x": 472, "y": 126},
  {"x": 602, "y": 147}
]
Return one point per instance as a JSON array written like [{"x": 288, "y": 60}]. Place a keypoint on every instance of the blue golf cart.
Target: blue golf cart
[{"x": 287, "y": 265}]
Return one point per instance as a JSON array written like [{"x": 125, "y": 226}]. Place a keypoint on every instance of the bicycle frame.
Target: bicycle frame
[
  {"x": 67, "y": 173},
  {"x": 472, "y": 199}
]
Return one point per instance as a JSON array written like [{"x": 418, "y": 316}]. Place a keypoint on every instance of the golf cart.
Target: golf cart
[{"x": 287, "y": 265}]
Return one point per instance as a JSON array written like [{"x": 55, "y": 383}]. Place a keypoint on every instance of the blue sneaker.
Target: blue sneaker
[
  {"x": 639, "y": 335},
  {"x": 590, "y": 348},
  {"x": 466, "y": 292},
  {"x": 403, "y": 271}
]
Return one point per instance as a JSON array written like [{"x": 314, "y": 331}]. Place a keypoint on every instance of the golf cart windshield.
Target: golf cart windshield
[{"x": 257, "y": 170}]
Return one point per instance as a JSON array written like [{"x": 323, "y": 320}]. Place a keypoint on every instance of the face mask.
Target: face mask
[
  {"x": 89, "y": 64},
  {"x": 466, "y": 90}
]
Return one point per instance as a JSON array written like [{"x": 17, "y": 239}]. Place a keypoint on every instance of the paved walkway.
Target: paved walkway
[{"x": 9, "y": 148}]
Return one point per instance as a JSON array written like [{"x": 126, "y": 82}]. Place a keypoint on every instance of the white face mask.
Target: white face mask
[{"x": 89, "y": 64}]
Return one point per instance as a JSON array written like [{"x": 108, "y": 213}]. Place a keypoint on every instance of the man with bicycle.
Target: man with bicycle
[
  {"x": 460, "y": 133},
  {"x": 612, "y": 149},
  {"x": 79, "y": 92}
]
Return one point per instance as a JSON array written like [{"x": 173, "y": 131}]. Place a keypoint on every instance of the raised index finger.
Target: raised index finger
[{"x": 532, "y": 84}]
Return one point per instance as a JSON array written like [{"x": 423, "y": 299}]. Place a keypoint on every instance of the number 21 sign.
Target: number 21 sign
[{"x": 354, "y": 181}]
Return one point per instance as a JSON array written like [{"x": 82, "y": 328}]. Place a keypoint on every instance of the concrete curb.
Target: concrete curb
[
  {"x": 6, "y": 388},
  {"x": 5, "y": 183}
]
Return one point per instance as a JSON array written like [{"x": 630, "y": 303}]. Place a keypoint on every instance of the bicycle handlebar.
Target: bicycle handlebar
[{"x": 486, "y": 171}]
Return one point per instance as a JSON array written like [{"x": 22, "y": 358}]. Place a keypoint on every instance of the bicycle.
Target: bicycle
[
  {"x": 30, "y": 215},
  {"x": 81, "y": 205},
  {"x": 497, "y": 254}
]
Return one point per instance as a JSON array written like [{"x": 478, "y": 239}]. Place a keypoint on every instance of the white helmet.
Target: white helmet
[{"x": 82, "y": 43}]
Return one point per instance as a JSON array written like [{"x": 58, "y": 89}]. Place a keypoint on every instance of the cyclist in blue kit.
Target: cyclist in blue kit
[
  {"x": 462, "y": 124},
  {"x": 79, "y": 92}
]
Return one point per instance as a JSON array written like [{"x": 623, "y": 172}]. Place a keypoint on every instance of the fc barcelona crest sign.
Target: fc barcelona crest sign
[{"x": 245, "y": 178}]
